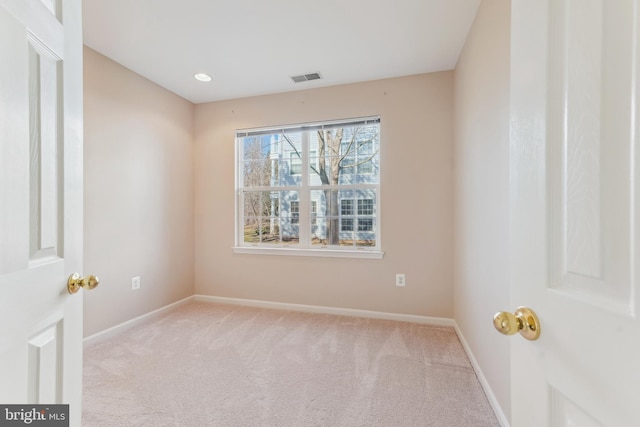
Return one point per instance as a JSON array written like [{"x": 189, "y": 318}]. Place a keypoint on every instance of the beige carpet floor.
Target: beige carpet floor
[{"x": 205, "y": 364}]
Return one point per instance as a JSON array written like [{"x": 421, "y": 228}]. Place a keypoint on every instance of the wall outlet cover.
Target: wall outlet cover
[{"x": 135, "y": 283}]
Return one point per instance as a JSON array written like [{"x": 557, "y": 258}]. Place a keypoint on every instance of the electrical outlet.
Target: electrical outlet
[
  {"x": 135, "y": 283},
  {"x": 400, "y": 279}
]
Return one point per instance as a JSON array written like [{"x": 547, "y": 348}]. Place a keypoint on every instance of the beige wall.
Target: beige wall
[
  {"x": 140, "y": 196},
  {"x": 416, "y": 198},
  {"x": 481, "y": 260},
  {"x": 138, "y": 193}
]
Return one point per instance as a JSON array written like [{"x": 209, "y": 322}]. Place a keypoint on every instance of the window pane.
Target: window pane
[
  {"x": 264, "y": 221},
  {"x": 256, "y": 173},
  {"x": 319, "y": 218},
  {"x": 290, "y": 159},
  {"x": 367, "y": 154},
  {"x": 365, "y": 167},
  {"x": 348, "y": 155},
  {"x": 256, "y": 147},
  {"x": 325, "y": 168},
  {"x": 281, "y": 176},
  {"x": 366, "y": 234},
  {"x": 290, "y": 216},
  {"x": 314, "y": 214},
  {"x": 295, "y": 163},
  {"x": 335, "y": 220},
  {"x": 251, "y": 230},
  {"x": 257, "y": 163},
  {"x": 261, "y": 230},
  {"x": 269, "y": 230},
  {"x": 271, "y": 160},
  {"x": 294, "y": 211},
  {"x": 252, "y": 204},
  {"x": 314, "y": 165}
]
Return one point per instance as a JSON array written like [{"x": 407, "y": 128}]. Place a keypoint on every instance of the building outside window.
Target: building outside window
[{"x": 312, "y": 186}]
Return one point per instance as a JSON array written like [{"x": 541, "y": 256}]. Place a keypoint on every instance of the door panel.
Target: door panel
[
  {"x": 574, "y": 211},
  {"x": 46, "y": 229},
  {"x": 590, "y": 144},
  {"x": 566, "y": 413},
  {"x": 45, "y": 350}
]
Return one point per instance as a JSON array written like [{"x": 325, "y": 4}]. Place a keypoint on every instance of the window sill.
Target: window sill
[{"x": 327, "y": 253}]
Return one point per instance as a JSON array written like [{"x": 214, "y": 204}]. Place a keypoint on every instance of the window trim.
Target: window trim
[
  {"x": 300, "y": 248},
  {"x": 302, "y": 127},
  {"x": 291, "y": 251}
]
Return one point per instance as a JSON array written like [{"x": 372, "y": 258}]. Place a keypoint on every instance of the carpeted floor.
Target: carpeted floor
[{"x": 205, "y": 364}]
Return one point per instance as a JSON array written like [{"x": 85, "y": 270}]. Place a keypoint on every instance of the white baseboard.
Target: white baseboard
[
  {"x": 436, "y": 321},
  {"x": 502, "y": 419},
  {"x": 125, "y": 325}
]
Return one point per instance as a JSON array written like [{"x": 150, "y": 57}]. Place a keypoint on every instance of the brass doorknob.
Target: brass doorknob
[
  {"x": 76, "y": 282},
  {"x": 524, "y": 320}
]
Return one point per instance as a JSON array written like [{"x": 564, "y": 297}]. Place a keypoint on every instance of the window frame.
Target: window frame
[{"x": 307, "y": 217}]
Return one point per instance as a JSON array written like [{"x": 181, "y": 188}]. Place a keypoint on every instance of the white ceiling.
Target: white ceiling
[{"x": 253, "y": 47}]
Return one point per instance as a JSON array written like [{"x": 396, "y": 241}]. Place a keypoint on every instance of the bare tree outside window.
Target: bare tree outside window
[
  {"x": 340, "y": 152},
  {"x": 258, "y": 206}
]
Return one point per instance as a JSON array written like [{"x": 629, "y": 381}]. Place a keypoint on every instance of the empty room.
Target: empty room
[{"x": 294, "y": 213}]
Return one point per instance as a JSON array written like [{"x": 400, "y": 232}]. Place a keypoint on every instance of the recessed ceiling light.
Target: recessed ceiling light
[{"x": 202, "y": 77}]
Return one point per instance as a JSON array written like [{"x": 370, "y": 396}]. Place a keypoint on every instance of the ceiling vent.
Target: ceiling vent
[{"x": 306, "y": 77}]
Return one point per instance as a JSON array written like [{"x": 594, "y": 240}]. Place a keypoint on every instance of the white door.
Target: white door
[
  {"x": 40, "y": 202},
  {"x": 575, "y": 211}
]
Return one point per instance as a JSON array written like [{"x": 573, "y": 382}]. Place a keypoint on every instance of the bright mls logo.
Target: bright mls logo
[{"x": 35, "y": 415}]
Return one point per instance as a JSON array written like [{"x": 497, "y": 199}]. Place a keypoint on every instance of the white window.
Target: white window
[
  {"x": 364, "y": 215},
  {"x": 313, "y": 188},
  {"x": 314, "y": 212},
  {"x": 295, "y": 212},
  {"x": 346, "y": 224}
]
